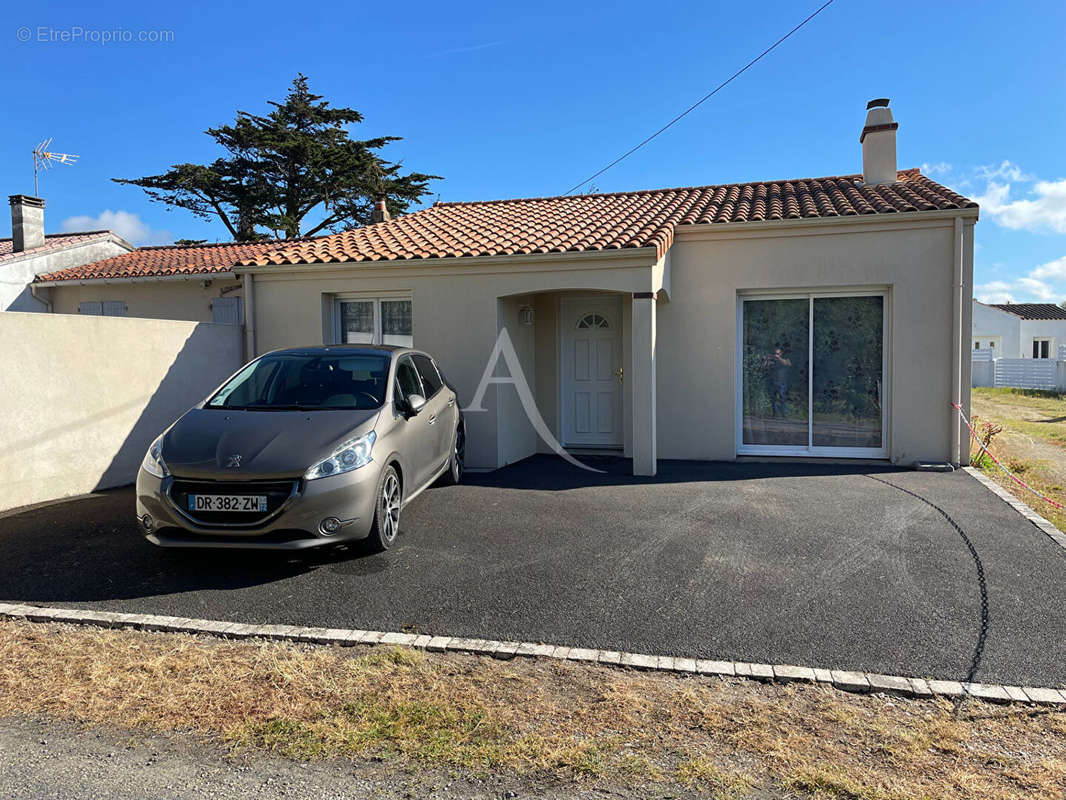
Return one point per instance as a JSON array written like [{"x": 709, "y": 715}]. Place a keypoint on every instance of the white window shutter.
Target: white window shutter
[
  {"x": 114, "y": 308},
  {"x": 94, "y": 307}
]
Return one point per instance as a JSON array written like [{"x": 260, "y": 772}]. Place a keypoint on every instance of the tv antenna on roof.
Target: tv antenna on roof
[{"x": 43, "y": 158}]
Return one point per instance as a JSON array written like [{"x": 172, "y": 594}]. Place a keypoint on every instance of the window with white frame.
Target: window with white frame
[
  {"x": 811, "y": 374},
  {"x": 1041, "y": 348},
  {"x": 373, "y": 320}
]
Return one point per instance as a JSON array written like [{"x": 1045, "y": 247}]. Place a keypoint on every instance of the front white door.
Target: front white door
[{"x": 592, "y": 374}]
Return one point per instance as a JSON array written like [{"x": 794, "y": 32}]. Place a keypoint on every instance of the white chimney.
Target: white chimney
[
  {"x": 27, "y": 222},
  {"x": 878, "y": 142}
]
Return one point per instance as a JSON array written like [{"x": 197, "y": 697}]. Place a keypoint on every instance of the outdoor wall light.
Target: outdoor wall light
[{"x": 525, "y": 315}]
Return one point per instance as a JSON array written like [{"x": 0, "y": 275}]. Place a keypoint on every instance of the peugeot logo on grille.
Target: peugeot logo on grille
[{"x": 234, "y": 461}]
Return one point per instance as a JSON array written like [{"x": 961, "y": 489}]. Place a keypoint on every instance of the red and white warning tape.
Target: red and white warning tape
[{"x": 1011, "y": 475}]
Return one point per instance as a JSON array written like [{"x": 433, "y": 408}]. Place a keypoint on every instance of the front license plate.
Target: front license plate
[{"x": 227, "y": 502}]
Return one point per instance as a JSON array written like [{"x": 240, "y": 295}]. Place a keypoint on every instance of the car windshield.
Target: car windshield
[{"x": 307, "y": 382}]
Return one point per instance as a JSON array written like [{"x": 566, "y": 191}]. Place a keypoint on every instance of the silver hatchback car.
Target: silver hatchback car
[{"x": 303, "y": 448}]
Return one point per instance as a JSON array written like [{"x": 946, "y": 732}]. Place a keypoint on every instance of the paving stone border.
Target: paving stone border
[
  {"x": 845, "y": 680},
  {"x": 1057, "y": 536}
]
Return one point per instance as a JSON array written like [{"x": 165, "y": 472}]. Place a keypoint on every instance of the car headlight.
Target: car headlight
[
  {"x": 153, "y": 462},
  {"x": 350, "y": 455}
]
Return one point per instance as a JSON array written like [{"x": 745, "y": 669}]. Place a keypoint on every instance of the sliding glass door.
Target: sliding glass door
[{"x": 812, "y": 375}]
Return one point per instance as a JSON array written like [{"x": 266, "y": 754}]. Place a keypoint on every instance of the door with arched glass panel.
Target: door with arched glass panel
[{"x": 592, "y": 375}]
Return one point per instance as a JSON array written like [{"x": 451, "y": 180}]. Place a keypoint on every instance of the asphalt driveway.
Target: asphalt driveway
[{"x": 818, "y": 565}]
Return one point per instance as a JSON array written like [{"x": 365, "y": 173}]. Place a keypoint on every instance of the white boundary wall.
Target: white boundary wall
[
  {"x": 83, "y": 396},
  {"x": 1021, "y": 373}
]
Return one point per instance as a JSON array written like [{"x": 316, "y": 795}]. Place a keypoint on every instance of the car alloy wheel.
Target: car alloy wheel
[
  {"x": 459, "y": 454},
  {"x": 390, "y": 507},
  {"x": 454, "y": 472}
]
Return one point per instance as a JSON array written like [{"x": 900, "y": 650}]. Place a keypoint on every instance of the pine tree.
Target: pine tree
[{"x": 293, "y": 172}]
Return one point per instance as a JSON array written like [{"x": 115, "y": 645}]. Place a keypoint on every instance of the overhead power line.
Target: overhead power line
[{"x": 703, "y": 99}]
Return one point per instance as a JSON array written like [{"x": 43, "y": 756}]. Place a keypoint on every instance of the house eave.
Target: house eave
[
  {"x": 632, "y": 256},
  {"x": 198, "y": 276}
]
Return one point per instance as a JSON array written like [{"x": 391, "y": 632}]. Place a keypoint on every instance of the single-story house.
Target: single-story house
[
  {"x": 30, "y": 252},
  {"x": 1019, "y": 330},
  {"x": 188, "y": 282},
  {"x": 819, "y": 317}
]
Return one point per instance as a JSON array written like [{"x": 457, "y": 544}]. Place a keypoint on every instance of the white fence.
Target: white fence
[
  {"x": 84, "y": 396},
  {"x": 1021, "y": 373}
]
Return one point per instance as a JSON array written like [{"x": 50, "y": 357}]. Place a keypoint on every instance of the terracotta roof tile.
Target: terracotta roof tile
[
  {"x": 608, "y": 221},
  {"x": 52, "y": 242},
  {"x": 576, "y": 223},
  {"x": 169, "y": 260}
]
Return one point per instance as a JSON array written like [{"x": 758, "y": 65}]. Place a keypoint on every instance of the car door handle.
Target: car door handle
[
  {"x": 432, "y": 419},
  {"x": 451, "y": 402}
]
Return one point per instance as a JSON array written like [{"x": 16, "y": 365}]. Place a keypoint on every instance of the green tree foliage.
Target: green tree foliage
[{"x": 293, "y": 172}]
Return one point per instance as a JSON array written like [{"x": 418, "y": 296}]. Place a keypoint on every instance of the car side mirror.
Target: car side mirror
[{"x": 415, "y": 403}]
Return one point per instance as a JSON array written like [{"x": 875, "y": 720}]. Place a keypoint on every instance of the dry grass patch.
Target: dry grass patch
[
  {"x": 1032, "y": 444},
  {"x": 558, "y": 721}
]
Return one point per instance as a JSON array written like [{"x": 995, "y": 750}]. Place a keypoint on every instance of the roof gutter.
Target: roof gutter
[{"x": 197, "y": 276}]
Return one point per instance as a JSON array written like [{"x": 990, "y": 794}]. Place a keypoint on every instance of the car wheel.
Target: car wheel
[
  {"x": 387, "y": 512},
  {"x": 454, "y": 473}
]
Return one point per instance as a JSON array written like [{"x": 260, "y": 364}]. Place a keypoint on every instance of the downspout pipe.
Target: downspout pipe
[
  {"x": 39, "y": 299},
  {"x": 955, "y": 456},
  {"x": 248, "y": 290}
]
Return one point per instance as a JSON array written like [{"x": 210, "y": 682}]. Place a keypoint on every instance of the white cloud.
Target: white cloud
[
  {"x": 995, "y": 292},
  {"x": 1040, "y": 290},
  {"x": 1044, "y": 284},
  {"x": 1044, "y": 209},
  {"x": 1040, "y": 208},
  {"x": 941, "y": 168},
  {"x": 129, "y": 226},
  {"x": 1006, "y": 171},
  {"x": 1052, "y": 270}
]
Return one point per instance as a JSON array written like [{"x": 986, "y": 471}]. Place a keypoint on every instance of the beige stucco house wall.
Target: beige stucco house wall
[
  {"x": 680, "y": 347},
  {"x": 912, "y": 259},
  {"x": 179, "y": 298},
  {"x": 459, "y": 308}
]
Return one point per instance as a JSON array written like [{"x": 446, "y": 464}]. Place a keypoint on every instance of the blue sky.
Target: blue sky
[{"x": 527, "y": 99}]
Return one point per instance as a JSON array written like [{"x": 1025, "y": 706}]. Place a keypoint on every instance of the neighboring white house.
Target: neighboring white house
[
  {"x": 29, "y": 253},
  {"x": 1019, "y": 330}
]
